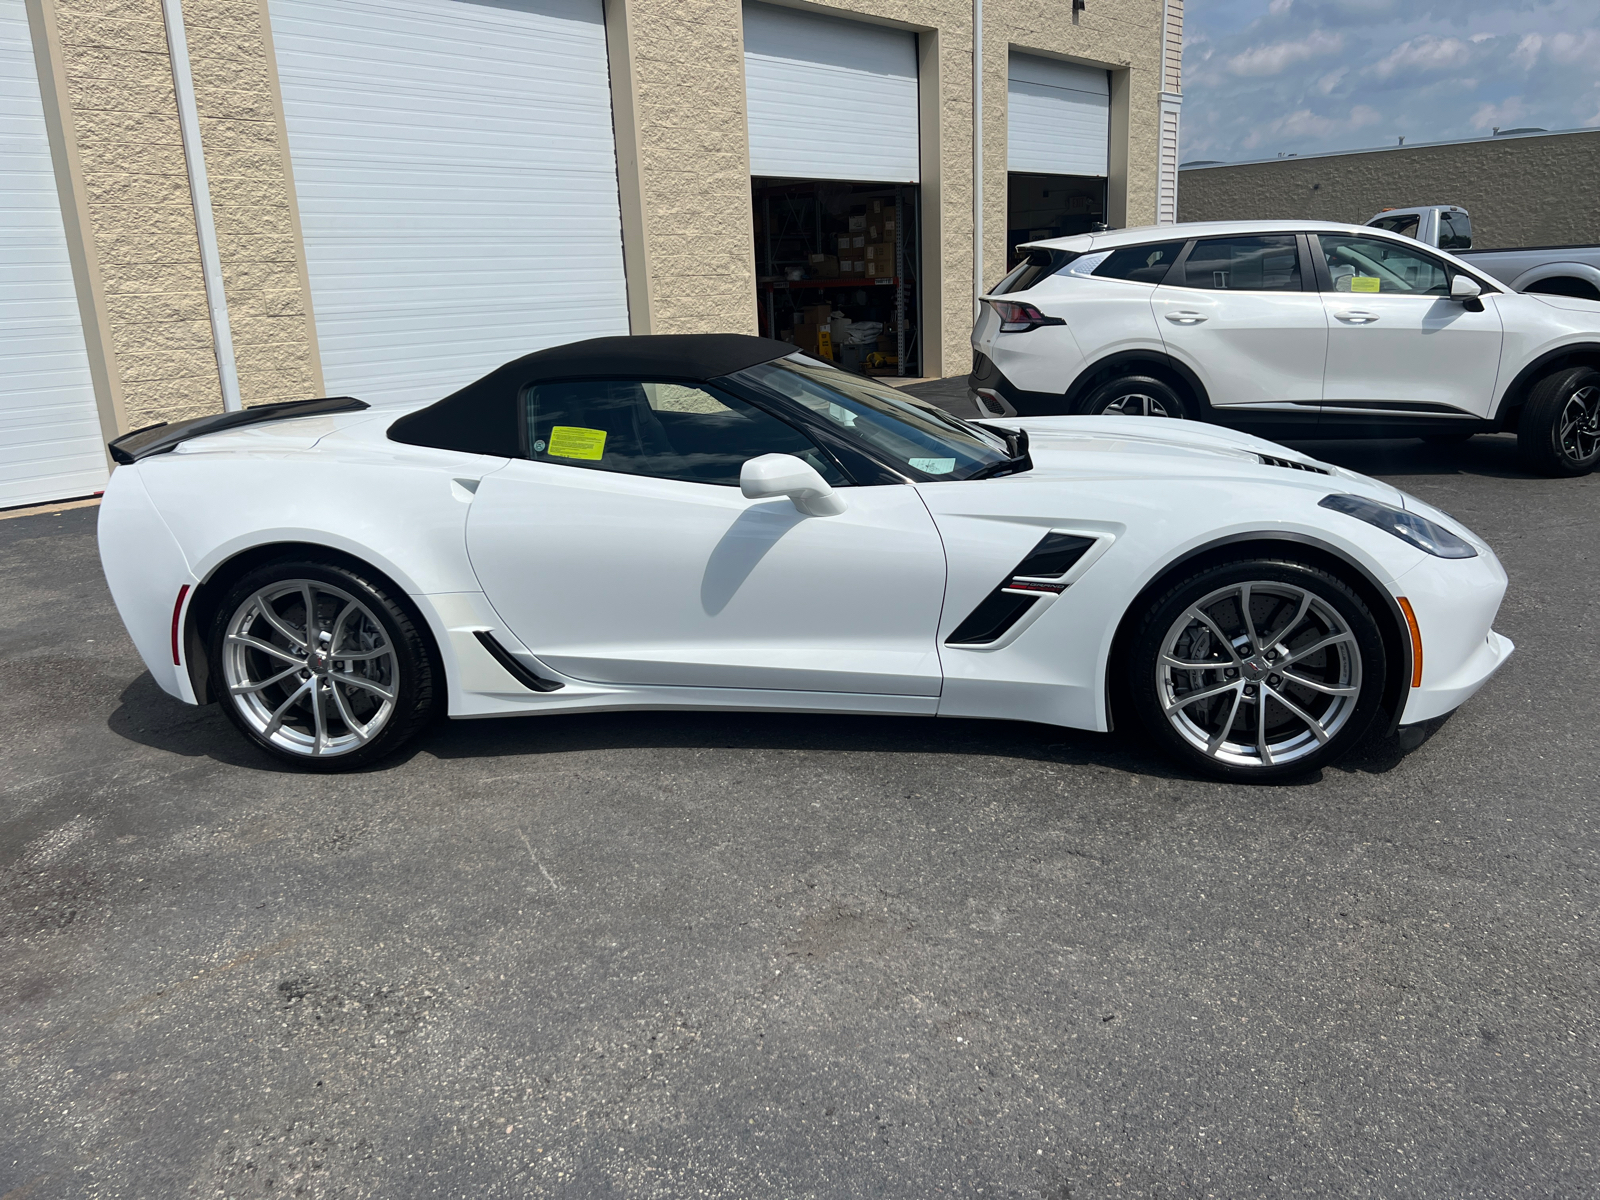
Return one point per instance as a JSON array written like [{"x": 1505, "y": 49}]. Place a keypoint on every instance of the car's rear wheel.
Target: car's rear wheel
[
  {"x": 320, "y": 666},
  {"x": 1134, "y": 396},
  {"x": 1559, "y": 430},
  {"x": 1257, "y": 670}
]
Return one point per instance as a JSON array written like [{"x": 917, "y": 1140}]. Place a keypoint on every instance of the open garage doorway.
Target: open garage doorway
[
  {"x": 1048, "y": 206},
  {"x": 837, "y": 271}
]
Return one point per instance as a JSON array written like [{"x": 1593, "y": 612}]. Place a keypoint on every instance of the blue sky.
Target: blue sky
[{"x": 1269, "y": 77}]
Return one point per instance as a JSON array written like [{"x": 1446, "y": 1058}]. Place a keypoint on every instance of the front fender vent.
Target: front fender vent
[
  {"x": 1291, "y": 465},
  {"x": 1053, "y": 557}
]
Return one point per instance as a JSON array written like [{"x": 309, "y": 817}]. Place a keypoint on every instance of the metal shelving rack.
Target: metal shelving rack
[{"x": 797, "y": 216}]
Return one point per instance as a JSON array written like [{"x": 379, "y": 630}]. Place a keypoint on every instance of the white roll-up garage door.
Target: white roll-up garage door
[
  {"x": 50, "y": 436},
  {"x": 1059, "y": 117},
  {"x": 829, "y": 98},
  {"x": 457, "y": 180}
]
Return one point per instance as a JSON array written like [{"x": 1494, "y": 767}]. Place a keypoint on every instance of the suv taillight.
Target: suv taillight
[{"x": 1019, "y": 318}]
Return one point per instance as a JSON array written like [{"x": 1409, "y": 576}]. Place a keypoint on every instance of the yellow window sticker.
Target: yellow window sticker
[
  {"x": 568, "y": 441},
  {"x": 1364, "y": 283}
]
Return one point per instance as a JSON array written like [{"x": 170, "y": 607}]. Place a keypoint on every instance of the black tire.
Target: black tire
[
  {"x": 1559, "y": 431},
  {"x": 1277, "y": 588},
  {"x": 352, "y": 709},
  {"x": 1134, "y": 395}
]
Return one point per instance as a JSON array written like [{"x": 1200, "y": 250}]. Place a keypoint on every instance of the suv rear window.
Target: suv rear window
[
  {"x": 1142, "y": 264},
  {"x": 1037, "y": 265}
]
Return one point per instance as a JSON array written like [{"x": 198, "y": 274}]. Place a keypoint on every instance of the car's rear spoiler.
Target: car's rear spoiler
[{"x": 158, "y": 439}]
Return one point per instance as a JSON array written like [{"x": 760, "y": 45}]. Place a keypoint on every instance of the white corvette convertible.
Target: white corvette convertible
[{"x": 718, "y": 522}]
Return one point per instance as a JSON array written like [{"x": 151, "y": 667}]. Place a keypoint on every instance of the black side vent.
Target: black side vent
[
  {"x": 1292, "y": 465},
  {"x": 999, "y": 611},
  {"x": 534, "y": 683},
  {"x": 1053, "y": 557}
]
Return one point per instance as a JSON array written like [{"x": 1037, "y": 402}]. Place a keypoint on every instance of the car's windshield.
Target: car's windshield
[{"x": 923, "y": 441}]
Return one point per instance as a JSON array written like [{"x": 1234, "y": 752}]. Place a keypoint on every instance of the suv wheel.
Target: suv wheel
[
  {"x": 319, "y": 666},
  {"x": 1134, "y": 396},
  {"x": 1559, "y": 431},
  {"x": 1256, "y": 671}
]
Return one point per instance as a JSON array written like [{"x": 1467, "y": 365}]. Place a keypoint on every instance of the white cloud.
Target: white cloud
[
  {"x": 1527, "y": 51},
  {"x": 1500, "y": 116},
  {"x": 1303, "y": 123},
  {"x": 1426, "y": 53},
  {"x": 1567, "y": 49},
  {"x": 1328, "y": 82},
  {"x": 1270, "y": 60}
]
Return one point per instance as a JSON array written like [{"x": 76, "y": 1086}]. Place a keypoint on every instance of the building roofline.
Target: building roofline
[{"x": 1501, "y": 137}]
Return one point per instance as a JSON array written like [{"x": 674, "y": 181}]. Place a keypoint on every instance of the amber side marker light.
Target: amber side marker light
[{"x": 1416, "y": 642}]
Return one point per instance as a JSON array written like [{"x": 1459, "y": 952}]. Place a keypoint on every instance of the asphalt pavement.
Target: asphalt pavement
[{"x": 759, "y": 955}]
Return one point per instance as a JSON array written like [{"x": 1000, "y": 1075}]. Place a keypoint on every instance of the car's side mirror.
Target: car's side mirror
[
  {"x": 1465, "y": 289},
  {"x": 785, "y": 475}
]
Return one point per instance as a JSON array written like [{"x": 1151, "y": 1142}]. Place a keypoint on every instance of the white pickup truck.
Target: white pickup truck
[{"x": 1550, "y": 270}]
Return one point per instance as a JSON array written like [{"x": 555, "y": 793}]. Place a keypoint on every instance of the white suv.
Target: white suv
[{"x": 1290, "y": 329}]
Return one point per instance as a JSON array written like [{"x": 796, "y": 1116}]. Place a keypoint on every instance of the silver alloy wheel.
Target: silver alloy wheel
[
  {"x": 1135, "y": 404},
  {"x": 1259, "y": 674},
  {"x": 310, "y": 668},
  {"x": 1578, "y": 428}
]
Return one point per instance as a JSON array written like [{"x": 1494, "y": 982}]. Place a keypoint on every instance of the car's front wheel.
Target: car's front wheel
[
  {"x": 320, "y": 666},
  {"x": 1134, "y": 396},
  {"x": 1256, "y": 670},
  {"x": 1559, "y": 430}
]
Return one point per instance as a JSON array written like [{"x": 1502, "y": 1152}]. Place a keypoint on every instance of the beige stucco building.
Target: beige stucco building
[
  {"x": 388, "y": 197},
  {"x": 1526, "y": 189}
]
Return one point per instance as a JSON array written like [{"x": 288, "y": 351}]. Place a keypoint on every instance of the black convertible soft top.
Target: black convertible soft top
[{"x": 482, "y": 417}]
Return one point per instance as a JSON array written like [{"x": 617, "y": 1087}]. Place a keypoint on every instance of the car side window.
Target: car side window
[
  {"x": 1269, "y": 263},
  {"x": 663, "y": 430},
  {"x": 1363, "y": 264},
  {"x": 1141, "y": 264}
]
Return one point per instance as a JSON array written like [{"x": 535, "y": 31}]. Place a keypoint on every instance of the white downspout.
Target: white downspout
[
  {"x": 200, "y": 191},
  {"x": 977, "y": 153}
]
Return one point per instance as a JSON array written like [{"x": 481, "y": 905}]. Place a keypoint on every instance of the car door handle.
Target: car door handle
[
  {"x": 1356, "y": 316},
  {"x": 1186, "y": 318}
]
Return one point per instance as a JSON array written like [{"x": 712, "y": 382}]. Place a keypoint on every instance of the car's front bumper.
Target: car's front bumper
[{"x": 1455, "y": 602}]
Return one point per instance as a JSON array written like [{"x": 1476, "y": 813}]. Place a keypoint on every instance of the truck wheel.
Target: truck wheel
[
  {"x": 1559, "y": 431},
  {"x": 1134, "y": 396}
]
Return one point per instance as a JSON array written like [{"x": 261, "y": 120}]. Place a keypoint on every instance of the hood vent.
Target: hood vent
[{"x": 1290, "y": 464}]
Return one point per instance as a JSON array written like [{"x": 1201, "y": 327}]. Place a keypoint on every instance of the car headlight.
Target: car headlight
[{"x": 1407, "y": 526}]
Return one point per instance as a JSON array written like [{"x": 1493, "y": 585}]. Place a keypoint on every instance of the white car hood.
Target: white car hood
[{"x": 1159, "y": 449}]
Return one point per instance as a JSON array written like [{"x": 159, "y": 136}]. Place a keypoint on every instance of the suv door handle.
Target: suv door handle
[
  {"x": 1185, "y": 318},
  {"x": 1356, "y": 316}
]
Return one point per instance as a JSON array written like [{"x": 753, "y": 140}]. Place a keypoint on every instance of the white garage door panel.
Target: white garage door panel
[
  {"x": 1058, "y": 117},
  {"x": 50, "y": 445},
  {"x": 829, "y": 98},
  {"x": 457, "y": 183}
]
